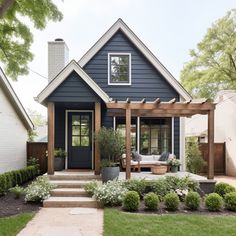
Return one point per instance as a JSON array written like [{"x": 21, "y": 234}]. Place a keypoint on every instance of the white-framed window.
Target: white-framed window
[{"x": 119, "y": 69}]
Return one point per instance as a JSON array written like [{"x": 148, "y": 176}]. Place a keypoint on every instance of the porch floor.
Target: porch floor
[{"x": 134, "y": 175}]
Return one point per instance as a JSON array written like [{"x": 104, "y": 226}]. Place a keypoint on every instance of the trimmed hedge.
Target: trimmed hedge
[{"x": 17, "y": 177}]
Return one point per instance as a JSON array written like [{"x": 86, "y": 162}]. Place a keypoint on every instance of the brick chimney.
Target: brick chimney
[{"x": 58, "y": 57}]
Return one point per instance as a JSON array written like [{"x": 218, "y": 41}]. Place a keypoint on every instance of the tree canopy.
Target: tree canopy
[
  {"x": 15, "y": 35},
  {"x": 213, "y": 64}
]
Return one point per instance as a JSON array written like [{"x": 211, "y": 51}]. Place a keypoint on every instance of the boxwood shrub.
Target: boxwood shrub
[
  {"x": 223, "y": 188},
  {"x": 131, "y": 201},
  {"x": 214, "y": 202},
  {"x": 171, "y": 201},
  {"x": 230, "y": 201},
  {"x": 192, "y": 200},
  {"x": 151, "y": 201},
  {"x": 17, "y": 177}
]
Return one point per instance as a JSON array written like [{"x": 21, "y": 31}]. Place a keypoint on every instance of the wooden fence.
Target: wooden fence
[
  {"x": 38, "y": 150},
  {"x": 219, "y": 157}
]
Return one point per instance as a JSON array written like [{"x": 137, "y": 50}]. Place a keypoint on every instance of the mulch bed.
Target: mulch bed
[
  {"x": 10, "y": 206},
  {"x": 181, "y": 210}
]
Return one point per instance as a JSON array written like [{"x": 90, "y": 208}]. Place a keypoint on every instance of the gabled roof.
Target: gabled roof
[
  {"x": 72, "y": 66},
  {"x": 14, "y": 100},
  {"x": 120, "y": 25}
]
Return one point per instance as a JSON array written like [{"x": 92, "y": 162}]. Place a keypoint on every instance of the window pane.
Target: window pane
[
  {"x": 75, "y": 119},
  {"x": 84, "y": 120},
  {"x": 119, "y": 68},
  {"x": 75, "y": 130},
  {"x": 84, "y": 130},
  {"x": 76, "y": 141},
  {"x": 85, "y": 141}
]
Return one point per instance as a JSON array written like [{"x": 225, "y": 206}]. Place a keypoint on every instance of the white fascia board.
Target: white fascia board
[
  {"x": 15, "y": 101},
  {"x": 72, "y": 66},
  {"x": 119, "y": 24}
]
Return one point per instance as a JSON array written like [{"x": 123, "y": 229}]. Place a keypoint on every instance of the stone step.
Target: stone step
[
  {"x": 68, "y": 192},
  {"x": 70, "y": 202},
  {"x": 74, "y": 177},
  {"x": 69, "y": 183}
]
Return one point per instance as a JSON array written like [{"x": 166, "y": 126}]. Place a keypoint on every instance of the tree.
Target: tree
[
  {"x": 213, "y": 64},
  {"x": 15, "y": 35},
  {"x": 37, "y": 118}
]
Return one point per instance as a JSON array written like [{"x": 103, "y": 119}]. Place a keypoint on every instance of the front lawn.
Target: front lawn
[
  {"x": 118, "y": 223},
  {"x": 10, "y": 226}
]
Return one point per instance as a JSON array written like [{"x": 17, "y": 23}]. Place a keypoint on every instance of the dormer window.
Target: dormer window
[{"x": 119, "y": 68}]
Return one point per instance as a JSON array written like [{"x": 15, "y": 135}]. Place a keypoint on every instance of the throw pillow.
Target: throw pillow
[
  {"x": 136, "y": 156},
  {"x": 164, "y": 156}
]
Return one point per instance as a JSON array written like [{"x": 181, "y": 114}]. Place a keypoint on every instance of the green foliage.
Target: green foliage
[
  {"x": 91, "y": 187},
  {"x": 192, "y": 200},
  {"x": 110, "y": 193},
  {"x": 32, "y": 161},
  {"x": 38, "y": 190},
  {"x": 213, "y": 202},
  {"x": 151, "y": 201},
  {"x": 111, "y": 144},
  {"x": 17, "y": 177},
  {"x": 137, "y": 185},
  {"x": 230, "y": 201},
  {"x": 37, "y": 118},
  {"x": 16, "y": 37},
  {"x": 194, "y": 160},
  {"x": 213, "y": 64},
  {"x": 31, "y": 135},
  {"x": 223, "y": 188},
  {"x": 17, "y": 190},
  {"x": 171, "y": 201},
  {"x": 174, "y": 162},
  {"x": 131, "y": 201},
  {"x": 59, "y": 152}
]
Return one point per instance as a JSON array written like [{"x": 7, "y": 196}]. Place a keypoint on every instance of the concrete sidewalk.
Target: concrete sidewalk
[{"x": 65, "y": 222}]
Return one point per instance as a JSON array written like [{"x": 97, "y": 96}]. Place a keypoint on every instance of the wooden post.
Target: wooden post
[
  {"x": 51, "y": 128},
  {"x": 210, "y": 174},
  {"x": 97, "y": 128},
  {"x": 128, "y": 142}
]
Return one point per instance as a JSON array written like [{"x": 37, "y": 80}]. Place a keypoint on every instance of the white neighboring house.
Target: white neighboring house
[
  {"x": 225, "y": 127},
  {"x": 14, "y": 124}
]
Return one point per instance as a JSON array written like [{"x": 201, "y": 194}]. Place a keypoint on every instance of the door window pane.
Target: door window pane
[
  {"x": 75, "y": 120},
  {"x": 76, "y": 130},
  {"x": 85, "y": 141},
  {"x": 84, "y": 130},
  {"x": 84, "y": 120},
  {"x": 76, "y": 141}
]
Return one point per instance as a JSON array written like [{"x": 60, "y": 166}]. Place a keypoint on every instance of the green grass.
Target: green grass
[
  {"x": 118, "y": 223},
  {"x": 10, "y": 226}
]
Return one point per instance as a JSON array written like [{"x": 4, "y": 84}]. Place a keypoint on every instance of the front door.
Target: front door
[{"x": 80, "y": 140}]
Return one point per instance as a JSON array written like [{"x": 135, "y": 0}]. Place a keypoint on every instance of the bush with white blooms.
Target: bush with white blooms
[
  {"x": 110, "y": 193},
  {"x": 38, "y": 190}
]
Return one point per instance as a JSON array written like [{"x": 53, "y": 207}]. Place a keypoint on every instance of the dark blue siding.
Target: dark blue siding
[
  {"x": 73, "y": 89},
  {"x": 146, "y": 80}
]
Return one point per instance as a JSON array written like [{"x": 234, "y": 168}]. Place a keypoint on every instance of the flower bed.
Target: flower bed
[{"x": 174, "y": 194}]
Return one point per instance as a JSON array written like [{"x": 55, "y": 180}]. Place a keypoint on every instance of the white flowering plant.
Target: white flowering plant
[
  {"x": 110, "y": 193},
  {"x": 182, "y": 193},
  {"x": 172, "y": 161},
  {"x": 38, "y": 190}
]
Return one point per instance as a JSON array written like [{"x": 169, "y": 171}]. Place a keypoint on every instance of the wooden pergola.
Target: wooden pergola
[{"x": 157, "y": 108}]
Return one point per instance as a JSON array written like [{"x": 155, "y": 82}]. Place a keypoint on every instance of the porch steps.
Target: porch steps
[
  {"x": 69, "y": 183},
  {"x": 69, "y": 191},
  {"x": 74, "y": 177},
  {"x": 87, "y": 202}
]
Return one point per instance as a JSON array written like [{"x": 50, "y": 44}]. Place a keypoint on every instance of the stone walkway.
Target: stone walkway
[{"x": 65, "y": 221}]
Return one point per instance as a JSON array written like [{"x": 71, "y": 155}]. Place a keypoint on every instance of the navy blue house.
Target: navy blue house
[{"x": 118, "y": 66}]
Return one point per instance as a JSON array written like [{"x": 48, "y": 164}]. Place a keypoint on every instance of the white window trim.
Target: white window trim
[{"x": 109, "y": 68}]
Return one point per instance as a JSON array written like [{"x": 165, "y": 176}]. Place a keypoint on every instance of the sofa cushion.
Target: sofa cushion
[{"x": 147, "y": 158}]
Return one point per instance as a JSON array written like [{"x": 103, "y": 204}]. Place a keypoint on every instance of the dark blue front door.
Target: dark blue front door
[{"x": 80, "y": 140}]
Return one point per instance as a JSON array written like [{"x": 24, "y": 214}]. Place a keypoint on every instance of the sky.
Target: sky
[{"x": 169, "y": 28}]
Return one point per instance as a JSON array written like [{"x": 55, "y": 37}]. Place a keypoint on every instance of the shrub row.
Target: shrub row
[{"x": 17, "y": 177}]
